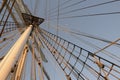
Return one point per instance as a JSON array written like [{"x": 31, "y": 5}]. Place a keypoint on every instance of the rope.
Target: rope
[
  {"x": 71, "y": 5},
  {"x": 3, "y": 5},
  {"x": 7, "y": 17},
  {"x": 87, "y": 7},
  {"x": 83, "y": 58},
  {"x": 89, "y": 15},
  {"x": 58, "y": 16},
  {"x": 111, "y": 55},
  {"x": 106, "y": 46},
  {"x": 4, "y": 14},
  {"x": 62, "y": 4}
]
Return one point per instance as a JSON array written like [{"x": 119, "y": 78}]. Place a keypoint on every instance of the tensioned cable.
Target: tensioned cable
[
  {"x": 6, "y": 38},
  {"x": 94, "y": 46},
  {"x": 4, "y": 12},
  {"x": 58, "y": 16},
  {"x": 89, "y": 15},
  {"x": 96, "y": 59},
  {"x": 7, "y": 33},
  {"x": 10, "y": 37},
  {"x": 71, "y": 5},
  {"x": 38, "y": 57},
  {"x": 87, "y": 7},
  {"x": 3, "y": 5},
  {"x": 62, "y": 4},
  {"x": 93, "y": 37},
  {"x": 37, "y": 2},
  {"x": 31, "y": 3},
  {"x": 7, "y": 21},
  {"x": 39, "y": 45},
  {"x": 3, "y": 46},
  {"x": 46, "y": 8},
  {"x": 2, "y": 15},
  {"x": 84, "y": 34},
  {"x": 61, "y": 63},
  {"x": 8, "y": 44},
  {"x": 114, "y": 42},
  {"x": 7, "y": 17},
  {"x": 50, "y": 35},
  {"x": 98, "y": 48}
]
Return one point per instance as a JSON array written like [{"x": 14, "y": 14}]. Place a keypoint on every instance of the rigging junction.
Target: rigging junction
[{"x": 71, "y": 58}]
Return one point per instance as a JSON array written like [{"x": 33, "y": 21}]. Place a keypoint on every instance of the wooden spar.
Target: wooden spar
[{"x": 10, "y": 59}]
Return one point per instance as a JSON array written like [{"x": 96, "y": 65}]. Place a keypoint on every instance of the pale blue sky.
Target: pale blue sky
[{"x": 105, "y": 26}]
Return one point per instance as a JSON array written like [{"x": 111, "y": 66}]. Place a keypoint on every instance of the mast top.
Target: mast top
[{"x": 32, "y": 20}]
